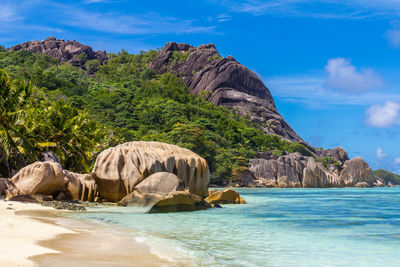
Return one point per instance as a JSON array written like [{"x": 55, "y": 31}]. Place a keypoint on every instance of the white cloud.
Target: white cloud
[
  {"x": 397, "y": 161},
  {"x": 383, "y": 116},
  {"x": 393, "y": 36},
  {"x": 134, "y": 24},
  {"x": 344, "y": 76},
  {"x": 380, "y": 154},
  {"x": 326, "y": 9},
  {"x": 8, "y": 13}
]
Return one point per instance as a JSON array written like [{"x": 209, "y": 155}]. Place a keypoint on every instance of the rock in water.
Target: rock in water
[
  {"x": 139, "y": 199},
  {"x": 228, "y": 196},
  {"x": 357, "y": 171},
  {"x": 178, "y": 202},
  {"x": 161, "y": 183},
  {"x": 118, "y": 170},
  {"x": 44, "y": 178},
  {"x": 316, "y": 175},
  {"x": 80, "y": 186}
]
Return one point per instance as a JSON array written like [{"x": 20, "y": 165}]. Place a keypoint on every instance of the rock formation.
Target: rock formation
[
  {"x": 139, "y": 199},
  {"x": 44, "y": 178},
  {"x": 80, "y": 186},
  {"x": 295, "y": 170},
  {"x": 65, "y": 51},
  {"x": 357, "y": 171},
  {"x": 161, "y": 183},
  {"x": 118, "y": 170},
  {"x": 337, "y": 153},
  {"x": 227, "y": 196},
  {"x": 225, "y": 82},
  {"x": 179, "y": 201}
]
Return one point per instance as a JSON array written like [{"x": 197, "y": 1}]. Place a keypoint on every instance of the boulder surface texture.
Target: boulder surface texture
[
  {"x": 228, "y": 196},
  {"x": 226, "y": 82},
  {"x": 45, "y": 178},
  {"x": 118, "y": 170}
]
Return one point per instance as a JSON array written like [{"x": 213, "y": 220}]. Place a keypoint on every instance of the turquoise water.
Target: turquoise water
[{"x": 278, "y": 227}]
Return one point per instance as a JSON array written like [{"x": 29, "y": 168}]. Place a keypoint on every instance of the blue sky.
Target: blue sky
[{"x": 332, "y": 65}]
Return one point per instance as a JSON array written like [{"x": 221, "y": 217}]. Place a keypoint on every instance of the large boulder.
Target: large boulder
[
  {"x": 316, "y": 175},
  {"x": 283, "y": 171},
  {"x": 80, "y": 186},
  {"x": 228, "y": 196},
  {"x": 44, "y": 178},
  {"x": 139, "y": 199},
  {"x": 179, "y": 201},
  {"x": 161, "y": 183},
  {"x": 357, "y": 171},
  {"x": 118, "y": 170}
]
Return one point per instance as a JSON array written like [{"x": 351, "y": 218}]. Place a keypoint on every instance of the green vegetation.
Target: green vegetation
[
  {"x": 327, "y": 161},
  {"x": 387, "y": 176},
  {"x": 214, "y": 58},
  {"x": 179, "y": 56},
  {"x": 76, "y": 113}
]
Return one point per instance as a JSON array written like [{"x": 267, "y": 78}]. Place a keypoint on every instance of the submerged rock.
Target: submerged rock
[
  {"x": 228, "y": 196},
  {"x": 179, "y": 202},
  {"x": 61, "y": 205},
  {"x": 139, "y": 199},
  {"x": 118, "y": 170}
]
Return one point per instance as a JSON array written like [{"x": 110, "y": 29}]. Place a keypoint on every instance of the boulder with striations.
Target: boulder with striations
[
  {"x": 179, "y": 201},
  {"x": 118, "y": 170},
  {"x": 80, "y": 186},
  {"x": 44, "y": 178},
  {"x": 357, "y": 171}
]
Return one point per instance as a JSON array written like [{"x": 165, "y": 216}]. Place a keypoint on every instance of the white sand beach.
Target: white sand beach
[
  {"x": 19, "y": 234},
  {"x": 32, "y": 235}
]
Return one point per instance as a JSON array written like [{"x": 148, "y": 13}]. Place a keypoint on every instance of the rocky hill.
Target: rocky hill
[
  {"x": 225, "y": 82},
  {"x": 158, "y": 107},
  {"x": 65, "y": 51}
]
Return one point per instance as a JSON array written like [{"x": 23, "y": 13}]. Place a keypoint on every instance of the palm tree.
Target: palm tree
[{"x": 13, "y": 143}]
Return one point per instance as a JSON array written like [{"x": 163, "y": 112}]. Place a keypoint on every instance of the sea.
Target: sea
[{"x": 278, "y": 227}]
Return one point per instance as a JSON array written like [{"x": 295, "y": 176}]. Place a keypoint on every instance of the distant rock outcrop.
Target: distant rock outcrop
[
  {"x": 357, "y": 171},
  {"x": 118, "y": 170},
  {"x": 295, "y": 170},
  {"x": 225, "y": 82},
  {"x": 337, "y": 153},
  {"x": 65, "y": 51}
]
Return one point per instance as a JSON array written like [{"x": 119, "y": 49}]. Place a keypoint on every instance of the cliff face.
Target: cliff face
[
  {"x": 224, "y": 82},
  {"x": 65, "y": 51}
]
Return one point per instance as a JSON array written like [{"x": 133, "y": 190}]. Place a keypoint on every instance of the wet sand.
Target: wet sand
[{"x": 42, "y": 236}]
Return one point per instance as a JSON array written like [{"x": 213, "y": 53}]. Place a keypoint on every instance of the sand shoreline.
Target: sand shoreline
[{"x": 32, "y": 235}]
